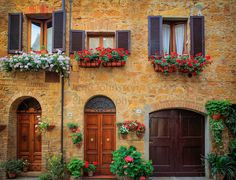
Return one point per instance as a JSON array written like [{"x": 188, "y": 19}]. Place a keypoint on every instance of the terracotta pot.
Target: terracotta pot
[
  {"x": 216, "y": 116},
  {"x": 90, "y": 173},
  {"x": 114, "y": 64},
  {"x": 142, "y": 178},
  {"x": 89, "y": 64},
  {"x": 11, "y": 175},
  {"x": 128, "y": 178},
  {"x": 73, "y": 130},
  {"x": 50, "y": 127},
  {"x": 2, "y": 127},
  {"x": 218, "y": 177},
  {"x": 140, "y": 135}
]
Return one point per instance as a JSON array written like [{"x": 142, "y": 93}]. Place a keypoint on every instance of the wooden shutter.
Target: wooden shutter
[
  {"x": 154, "y": 35},
  {"x": 197, "y": 35},
  {"x": 15, "y": 32},
  {"x": 123, "y": 39},
  {"x": 59, "y": 30},
  {"x": 77, "y": 40}
]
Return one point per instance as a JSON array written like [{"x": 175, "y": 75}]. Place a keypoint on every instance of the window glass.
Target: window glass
[
  {"x": 107, "y": 42},
  {"x": 179, "y": 38},
  {"x": 166, "y": 38},
  {"x": 35, "y": 36},
  {"x": 93, "y": 42},
  {"x": 49, "y": 37}
]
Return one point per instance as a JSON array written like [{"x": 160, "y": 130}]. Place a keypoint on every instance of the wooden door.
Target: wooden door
[
  {"x": 100, "y": 140},
  {"x": 29, "y": 141},
  {"x": 177, "y": 143}
]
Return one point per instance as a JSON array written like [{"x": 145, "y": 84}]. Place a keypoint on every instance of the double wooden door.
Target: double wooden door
[
  {"x": 176, "y": 143},
  {"x": 28, "y": 140},
  {"x": 100, "y": 140}
]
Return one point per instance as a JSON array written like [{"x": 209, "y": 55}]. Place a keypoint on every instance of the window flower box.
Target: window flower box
[
  {"x": 114, "y": 64},
  {"x": 88, "y": 58},
  {"x": 89, "y": 64},
  {"x": 57, "y": 62},
  {"x": 185, "y": 63}
]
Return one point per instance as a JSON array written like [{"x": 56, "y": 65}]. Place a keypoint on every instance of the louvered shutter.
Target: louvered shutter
[
  {"x": 59, "y": 30},
  {"x": 154, "y": 35},
  {"x": 123, "y": 39},
  {"x": 197, "y": 35},
  {"x": 15, "y": 32},
  {"x": 77, "y": 40}
]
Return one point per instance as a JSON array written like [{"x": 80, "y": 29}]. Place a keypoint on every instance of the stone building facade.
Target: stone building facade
[{"x": 136, "y": 89}]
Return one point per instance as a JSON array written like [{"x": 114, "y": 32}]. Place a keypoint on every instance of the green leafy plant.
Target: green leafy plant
[
  {"x": 12, "y": 166},
  {"x": 45, "y": 176},
  {"x": 42, "y": 126},
  {"x": 128, "y": 162},
  {"x": 74, "y": 167},
  {"x": 126, "y": 127},
  {"x": 77, "y": 137},
  {"x": 90, "y": 166},
  {"x": 232, "y": 149},
  {"x": 55, "y": 167},
  {"x": 217, "y": 128},
  {"x": 146, "y": 169},
  {"x": 71, "y": 125},
  {"x": 221, "y": 164},
  {"x": 218, "y": 107},
  {"x": 123, "y": 130}
]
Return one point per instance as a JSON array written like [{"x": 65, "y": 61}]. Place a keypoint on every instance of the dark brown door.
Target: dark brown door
[
  {"x": 100, "y": 140},
  {"x": 29, "y": 141},
  {"x": 176, "y": 143}
]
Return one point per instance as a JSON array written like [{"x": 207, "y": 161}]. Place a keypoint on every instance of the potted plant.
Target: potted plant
[
  {"x": 90, "y": 168},
  {"x": 26, "y": 165},
  {"x": 44, "y": 126},
  {"x": 131, "y": 125},
  {"x": 123, "y": 131},
  {"x": 127, "y": 162},
  {"x": 72, "y": 126},
  {"x": 221, "y": 166},
  {"x": 88, "y": 58},
  {"x": 77, "y": 137},
  {"x": 140, "y": 130},
  {"x": 12, "y": 167},
  {"x": 146, "y": 170},
  {"x": 112, "y": 57},
  {"x": 75, "y": 167}
]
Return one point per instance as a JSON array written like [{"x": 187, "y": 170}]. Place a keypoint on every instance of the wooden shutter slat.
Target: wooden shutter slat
[
  {"x": 59, "y": 30},
  {"x": 123, "y": 39},
  {"x": 154, "y": 34},
  {"x": 15, "y": 32},
  {"x": 77, "y": 40},
  {"x": 197, "y": 35}
]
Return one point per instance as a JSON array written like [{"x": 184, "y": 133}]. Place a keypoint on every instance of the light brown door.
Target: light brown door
[
  {"x": 100, "y": 140},
  {"x": 29, "y": 141}
]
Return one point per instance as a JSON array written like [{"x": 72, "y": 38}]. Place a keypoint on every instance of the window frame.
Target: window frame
[
  {"x": 100, "y": 35},
  {"x": 43, "y": 32}
]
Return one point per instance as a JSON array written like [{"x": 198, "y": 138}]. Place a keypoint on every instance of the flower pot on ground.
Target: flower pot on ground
[
  {"x": 11, "y": 175},
  {"x": 75, "y": 167},
  {"x": 90, "y": 173},
  {"x": 90, "y": 168},
  {"x": 218, "y": 177},
  {"x": 12, "y": 167}
]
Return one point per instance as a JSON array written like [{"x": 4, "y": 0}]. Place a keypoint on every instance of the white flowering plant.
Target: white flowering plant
[{"x": 57, "y": 62}]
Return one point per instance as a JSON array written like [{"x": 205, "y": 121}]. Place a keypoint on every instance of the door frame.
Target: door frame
[{"x": 150, "y": 110}]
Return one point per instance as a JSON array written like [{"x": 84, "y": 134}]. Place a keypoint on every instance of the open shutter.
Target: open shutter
[
  {"x": 77, "y": 40},
  {"x": 15, "y": 32},
  {"x": 123, "y": 39},
  {"x": 154, "y": 35},
  {"x": 197, "y": 35},
  {"x": 59, "y": 30}
]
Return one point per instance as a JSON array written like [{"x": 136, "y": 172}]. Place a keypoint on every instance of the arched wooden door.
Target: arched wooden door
[
  {"x": 100, "y": 133},
  {"x": 176, "y": 142},
  {"x": 28, "y": 140}
]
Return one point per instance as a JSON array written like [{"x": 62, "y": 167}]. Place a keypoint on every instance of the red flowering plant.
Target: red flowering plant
[
  {"x": 90, "y": 167},
  {"x": 140, "y": 130},
  {"x": 131, "y": 125},
  {"x": 193, "y": 65},
  {"x": 87, "y": 56},
  {"x": 113, "y": 54}
]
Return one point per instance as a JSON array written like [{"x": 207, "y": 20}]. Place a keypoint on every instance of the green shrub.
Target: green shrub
[
  {"x": 74, "y": 167},
  {"x": 72, "y": 125},
  {"x": 45, "y": 176},
  {"x": 55, "y": 167},
  {"x": 12, "y": 165}
]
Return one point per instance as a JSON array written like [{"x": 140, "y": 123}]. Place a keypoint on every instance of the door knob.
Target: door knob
[
  {"x": 108, "y": 139},
  {"x": 91, "y": 139}
]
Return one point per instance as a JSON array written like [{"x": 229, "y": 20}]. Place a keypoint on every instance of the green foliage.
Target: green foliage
[
  {"x": 230, "y": 121},
  {"x": 216, "y": 128},
  {"x": 45, "y": 176},
  {"x": 55, "y": 167},
  {"x": 43, "y": 126},
  {"x": 223, "y": 165},
  {"x": 74, "y": 167},
  {"x": 90, "y": 166},
  {"x": 233, "y": 149},
  {"x": 218, "y": 107},
  {"x": 12, "y": 165},
  {"x": 136, "y": 166},
  {"x": 123, "y": 130},
  {"x": 72, "y": 125},
  {"x": 77, "y": 137}
]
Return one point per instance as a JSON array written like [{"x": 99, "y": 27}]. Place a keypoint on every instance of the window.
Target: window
[
  {"x": 40, "y": 35},
  {"x": 174, "y": 35},
  {"x": 105, "y": 40}
]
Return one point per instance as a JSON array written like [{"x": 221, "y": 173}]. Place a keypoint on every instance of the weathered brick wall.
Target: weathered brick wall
[{"x": 134, "y": 86}]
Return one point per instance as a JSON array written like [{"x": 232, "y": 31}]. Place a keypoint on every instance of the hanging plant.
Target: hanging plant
[{"x": 76, "y": 135}]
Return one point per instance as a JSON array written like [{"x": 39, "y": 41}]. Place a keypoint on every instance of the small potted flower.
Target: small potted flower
[
  {"x": 26, "y": 165},
  {"x": 113, "y": 57},
  {"x": 72, "y": 126},
  {"x": 75, "y": 167},
  {"x": 44, "y": 126},
  {"x": 90, "y": 168},
  {"x": 140, "y": 130},
  {"x": 123, "y": 131},
  {"x": 12, "y": 167},
  {"x": 88, "y": 58},
  {"x": 77, "y": 138},
  {"x": 131, "y": 125}
]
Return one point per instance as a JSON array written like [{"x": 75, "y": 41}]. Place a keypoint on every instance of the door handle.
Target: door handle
[
  {"x": 91, "y": 139},
  {"x": 108, "y": 139}
]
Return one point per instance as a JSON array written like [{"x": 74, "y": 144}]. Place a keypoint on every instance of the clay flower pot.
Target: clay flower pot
[
  {"x": 50, "y": 127},
  {"x": 90, "y": 173},
  {"x": 11, "y": 175},
  {"x": 89, "y": 64},
  {"x": 142, "y": 178},
  {"x": 218, "y": 177},
  {"x": 73, "y": 130},
  {"x": 216, "y": 116}
]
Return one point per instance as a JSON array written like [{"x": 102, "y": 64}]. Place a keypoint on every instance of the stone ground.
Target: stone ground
[{"x": 152, "y": 178}]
